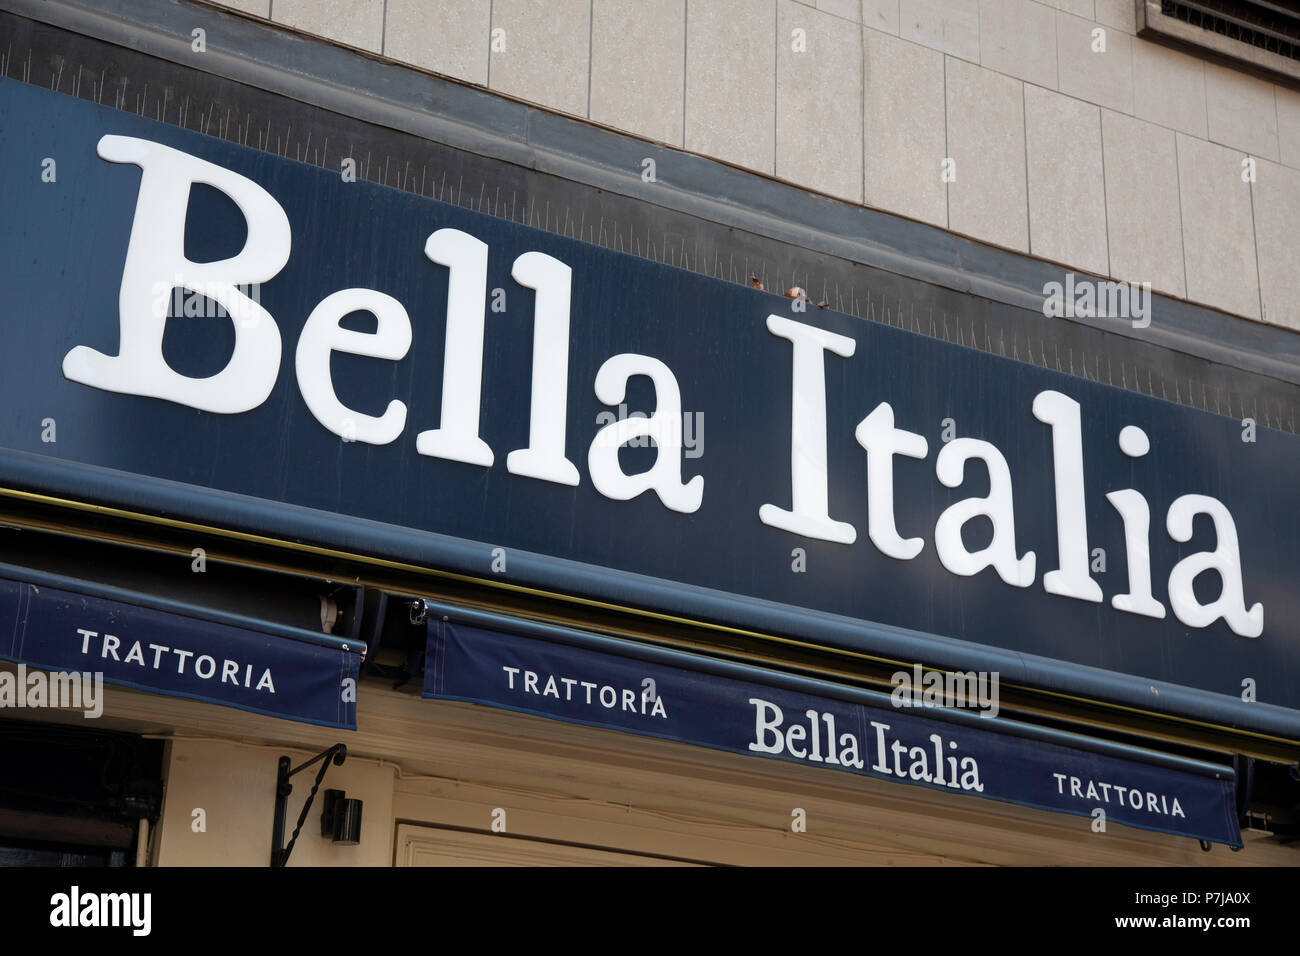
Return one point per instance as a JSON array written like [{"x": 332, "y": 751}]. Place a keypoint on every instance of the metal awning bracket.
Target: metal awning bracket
[{"x": 280, "y": 853}]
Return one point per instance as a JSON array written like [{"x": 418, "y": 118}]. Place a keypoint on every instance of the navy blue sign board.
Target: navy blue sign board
[
  {"x": 928, "y": 747},
  {"x": 833, "y": 481},
  {"x": 178, "y": 656}
]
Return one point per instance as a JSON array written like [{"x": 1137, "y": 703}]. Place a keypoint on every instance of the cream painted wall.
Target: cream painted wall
[
  {"x": 450, "y": 766},
  {"x": 1122, "y": 161},
  {"x": 234, "y": 784}
]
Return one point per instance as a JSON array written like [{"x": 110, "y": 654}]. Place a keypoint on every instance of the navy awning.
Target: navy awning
[
  {"x": 590, "y": 679},
  {"x": 154, "y": 644}
]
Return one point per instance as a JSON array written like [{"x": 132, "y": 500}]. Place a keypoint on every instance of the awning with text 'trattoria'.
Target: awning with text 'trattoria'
[
  {"x": 589, "y": 679},
  {"x": 107, "y": 636}
]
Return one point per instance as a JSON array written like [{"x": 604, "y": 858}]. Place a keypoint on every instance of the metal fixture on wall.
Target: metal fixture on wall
[
  {"x": 336, "y": 754},
  {"x": 340, "y": 820}
]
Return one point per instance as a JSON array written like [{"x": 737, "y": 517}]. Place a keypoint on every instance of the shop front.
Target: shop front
[{"x": 584, "y": 555}]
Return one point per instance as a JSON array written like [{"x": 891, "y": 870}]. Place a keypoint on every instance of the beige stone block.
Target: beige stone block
[
  {"x": 260, "y": 8},
  {"x": 1018, "y": 37},
  {"x": 903, "y": 128},
  {"x": 1169, "y": 88},
  {"x": 819, "y": 102},
  {"x": 1121, "y": 14},
  {"x": 1144, "y": 226},
  {"x": 730, "y": 81},
  {"x": 881, "y": 15},
  {"x": 1242, "y": 112},
  {"x": 1067, "y": 194},
  {"x": 1218, "y": 231},
  {"x": 1088, "y": 72},
  {"x": 951, "y": 26},
  {"x": 1080, "y": 8},
  {"x": 1277, "y": 237},
  {"x": 542, "y": 54},
  {"x": 638, "y": 69},
  {"x": 986, "y": 138},
  {"x": 448, "y": 37},
  {"x": 1288, "y": 125},
  {"x": 358, "y": 23},
  {"x": 844, "y": 9}
]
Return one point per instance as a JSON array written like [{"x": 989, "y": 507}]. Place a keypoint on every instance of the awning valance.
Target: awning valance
[
  {"x": 166, "y": 647},
  {"x": 590, "y": 679}
]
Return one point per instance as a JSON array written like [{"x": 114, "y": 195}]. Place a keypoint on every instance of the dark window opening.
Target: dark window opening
[{"x": 75, "y": 797}]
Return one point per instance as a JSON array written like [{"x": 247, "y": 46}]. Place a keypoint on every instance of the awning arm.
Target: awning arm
[{"x": 184, "y": 608}]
